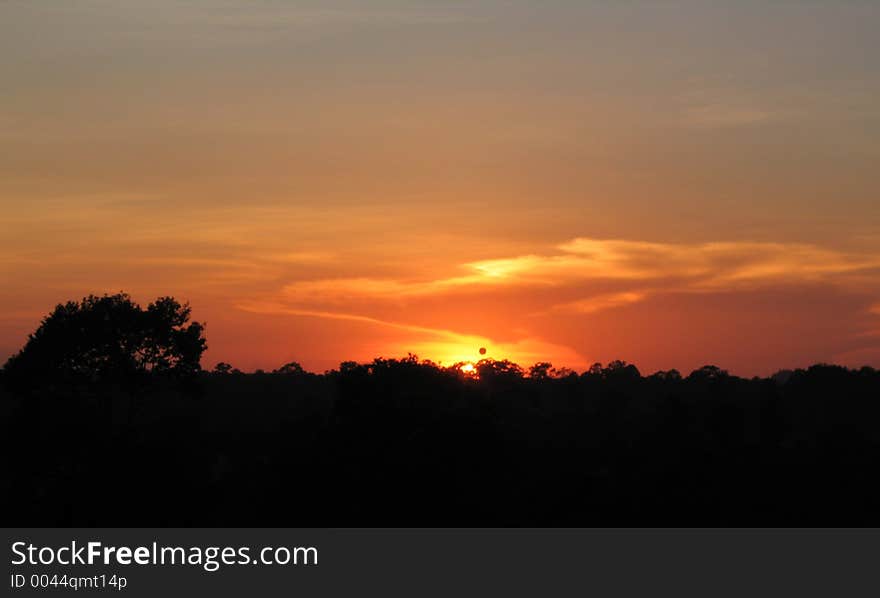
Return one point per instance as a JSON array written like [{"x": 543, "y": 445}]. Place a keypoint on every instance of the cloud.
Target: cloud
[
  {"x": 342, "y": 290},
  {"x": 601, "y": 302},
  {"x": 717, "y": 266},
  {"x": 261, "y": 307},
  {"x": 722, "y": 265}
]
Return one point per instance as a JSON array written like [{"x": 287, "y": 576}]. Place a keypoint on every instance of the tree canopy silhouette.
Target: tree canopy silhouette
[{"x": 110, "y": 338}]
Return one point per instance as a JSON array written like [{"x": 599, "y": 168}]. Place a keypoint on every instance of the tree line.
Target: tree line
[{"x": 128, "y": 430}]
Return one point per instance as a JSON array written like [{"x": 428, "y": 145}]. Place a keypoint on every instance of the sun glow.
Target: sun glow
[{"x": 468, "y": 369}]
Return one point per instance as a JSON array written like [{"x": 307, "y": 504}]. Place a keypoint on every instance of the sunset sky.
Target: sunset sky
[{"x": 671, "y": 183}]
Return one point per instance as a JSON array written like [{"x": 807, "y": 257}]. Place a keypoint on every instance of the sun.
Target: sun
[{"x": 468, "y": 368}]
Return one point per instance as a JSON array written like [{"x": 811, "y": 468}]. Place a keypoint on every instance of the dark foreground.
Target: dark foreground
[{"x": 399, "y": 443}]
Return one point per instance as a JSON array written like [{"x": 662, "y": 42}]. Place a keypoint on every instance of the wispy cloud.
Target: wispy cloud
[
  {"x": 601, "y": 302},
  {"x": 269, "y": 307},
  {"x": 679, "y": 267},
  {"x": 707, "y": 265}
]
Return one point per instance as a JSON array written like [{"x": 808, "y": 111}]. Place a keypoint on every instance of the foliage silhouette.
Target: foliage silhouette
[
  {"x": 291, "y": 369},
  {"x": 109, "y": 338},
  {"x": 224, "y": 368}
]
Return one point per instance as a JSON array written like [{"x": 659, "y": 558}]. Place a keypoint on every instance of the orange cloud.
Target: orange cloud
[
  {"x": 601, "y": 302},
  {"x": 685, "y": 267}
]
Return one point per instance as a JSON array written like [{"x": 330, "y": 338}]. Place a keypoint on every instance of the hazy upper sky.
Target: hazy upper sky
[{"x": 670, "y": 183}]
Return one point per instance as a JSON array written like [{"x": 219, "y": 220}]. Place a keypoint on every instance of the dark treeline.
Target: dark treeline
[
  {"x": 408, "y": 443},
  {"x": 403, "y": 443}
]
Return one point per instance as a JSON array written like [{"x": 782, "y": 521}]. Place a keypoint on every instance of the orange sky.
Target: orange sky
[{"x": 668, "y": 183}]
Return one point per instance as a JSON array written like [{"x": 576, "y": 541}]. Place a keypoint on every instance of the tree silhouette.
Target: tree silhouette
[
  {"x": 708, "y": 372},
  {"x": 541, "y": 370},
  {"x": 224, "y": 368},
  {"x": 290, "y": 369},
  {"x": 109, "y": 338}
]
